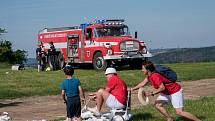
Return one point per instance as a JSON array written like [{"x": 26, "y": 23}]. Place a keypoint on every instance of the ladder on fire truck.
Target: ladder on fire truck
[{"x": 72, "y": 47}]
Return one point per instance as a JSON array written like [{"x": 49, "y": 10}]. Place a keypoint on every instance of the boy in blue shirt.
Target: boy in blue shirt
[{"x": 71, "y": 91}]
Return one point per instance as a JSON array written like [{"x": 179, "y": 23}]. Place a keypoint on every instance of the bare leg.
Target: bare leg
[
  {"x": 101, "y": 96},
  {"x": 78, "y": 118},
  {"x": 68, "y": 119},
  {"x": 179, "y": 111},
  {"x": 159, "y": 105},
  {"x": 38, "y": 68}
]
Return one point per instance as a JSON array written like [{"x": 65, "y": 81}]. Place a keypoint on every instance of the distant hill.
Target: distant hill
[
  {"x": 31, "y": 62},
  {"x": 181, "y": 55},
  {"x": 173, "y": 55}
]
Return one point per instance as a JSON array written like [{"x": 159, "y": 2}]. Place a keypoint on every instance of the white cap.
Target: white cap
[{"x": 110, "y": 71}]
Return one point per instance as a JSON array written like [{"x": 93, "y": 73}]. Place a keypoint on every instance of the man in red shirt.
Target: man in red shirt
[
  {"x": 169, "y": 91},
  {"x": 114, "y": 94}
]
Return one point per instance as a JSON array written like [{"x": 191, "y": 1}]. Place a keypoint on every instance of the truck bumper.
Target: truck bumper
[{"x": 127, "y": 56}]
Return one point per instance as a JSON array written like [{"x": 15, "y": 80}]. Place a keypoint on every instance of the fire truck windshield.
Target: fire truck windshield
[{"x": 112, "y": 31}]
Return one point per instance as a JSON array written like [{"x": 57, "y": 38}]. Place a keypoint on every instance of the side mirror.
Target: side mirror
[{"x": 135, "y": 34}]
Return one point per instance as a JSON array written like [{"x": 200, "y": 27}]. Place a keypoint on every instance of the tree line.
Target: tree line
[
  {"x": 7, "y": 54},
  {"x": 184, "y": 55}
]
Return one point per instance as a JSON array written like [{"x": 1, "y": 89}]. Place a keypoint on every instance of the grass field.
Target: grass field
[
  {"x": 202, "y": 108},
  {"x": 29, "y": 82}
]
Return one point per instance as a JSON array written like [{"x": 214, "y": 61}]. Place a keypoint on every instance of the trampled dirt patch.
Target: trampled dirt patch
[{"x": 52, "y": 107}]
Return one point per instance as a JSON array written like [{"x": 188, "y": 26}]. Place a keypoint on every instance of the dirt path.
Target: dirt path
[{"x": 52, "y": 107}]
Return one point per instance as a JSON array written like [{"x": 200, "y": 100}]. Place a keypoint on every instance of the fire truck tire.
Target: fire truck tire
[{"x": 98, "y": 62}]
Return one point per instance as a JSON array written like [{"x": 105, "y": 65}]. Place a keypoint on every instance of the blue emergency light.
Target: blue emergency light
[{"x": 83, "y": 26}]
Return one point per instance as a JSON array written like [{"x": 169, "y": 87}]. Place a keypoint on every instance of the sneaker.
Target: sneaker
[{"x": 94, "y": 110}]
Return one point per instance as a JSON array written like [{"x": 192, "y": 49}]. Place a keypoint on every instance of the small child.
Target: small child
[{"x": 71, "y": 91}]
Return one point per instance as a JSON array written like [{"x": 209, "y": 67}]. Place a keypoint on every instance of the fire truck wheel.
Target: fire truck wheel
[{"x": 98, "y": 62}]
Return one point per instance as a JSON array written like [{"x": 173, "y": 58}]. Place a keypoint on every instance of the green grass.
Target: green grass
[
  {"x": 29, "y": 82},
  {"x": 194, "y": 71},
  {"x": 4, "y": 65},
  {"x": 202, "y": 108}
]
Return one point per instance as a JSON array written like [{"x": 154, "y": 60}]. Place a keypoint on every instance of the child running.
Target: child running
[{"x": 71, "y": 92}]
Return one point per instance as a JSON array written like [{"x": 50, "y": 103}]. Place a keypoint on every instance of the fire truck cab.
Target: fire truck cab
[{"x": 101, "y": 43}]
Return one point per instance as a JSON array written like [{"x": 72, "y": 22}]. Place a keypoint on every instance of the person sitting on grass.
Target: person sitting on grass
[
  {"x": 169, "y": 91},
  {"x": 71, "y": 91},
  {"x": 114, "y": 94}
]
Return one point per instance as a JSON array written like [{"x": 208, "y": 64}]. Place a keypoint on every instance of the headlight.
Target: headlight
[
  {"x": 144, "y": 50},
  {"x": 142, "y": 43}
]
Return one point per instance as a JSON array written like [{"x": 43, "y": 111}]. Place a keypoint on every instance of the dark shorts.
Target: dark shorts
[{"x": 73, "y": 107}]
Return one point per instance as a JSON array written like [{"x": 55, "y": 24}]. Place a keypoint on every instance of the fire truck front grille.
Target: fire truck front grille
[{"x": 129, "y": 46}]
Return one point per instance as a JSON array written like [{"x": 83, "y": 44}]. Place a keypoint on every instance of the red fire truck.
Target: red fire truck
[{"x": 101, "y": 43}]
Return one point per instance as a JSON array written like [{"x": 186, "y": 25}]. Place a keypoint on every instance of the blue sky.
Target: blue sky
[{"x": 161, "y": 23}]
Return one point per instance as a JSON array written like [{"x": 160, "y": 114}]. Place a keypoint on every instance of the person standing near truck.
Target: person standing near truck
[
  {"x": 41, "y": 57},
  {"x": 52, "y": 56},
  {"x": 168, "y": 90}
]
